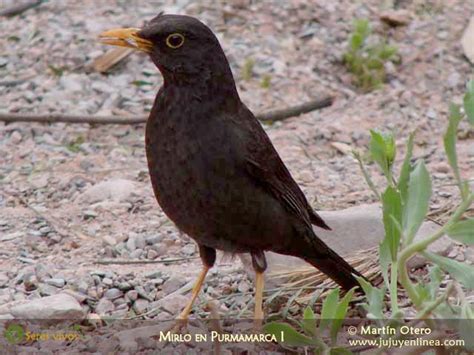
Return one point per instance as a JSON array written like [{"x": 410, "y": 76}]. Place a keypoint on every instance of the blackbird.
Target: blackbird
[{"x": 214, "y": 171}]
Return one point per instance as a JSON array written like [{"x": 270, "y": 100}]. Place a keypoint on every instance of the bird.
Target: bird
[{"x": 214, "y": 171}]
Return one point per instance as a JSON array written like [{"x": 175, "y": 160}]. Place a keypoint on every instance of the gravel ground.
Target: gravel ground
[{"x": 74, "y": 195}]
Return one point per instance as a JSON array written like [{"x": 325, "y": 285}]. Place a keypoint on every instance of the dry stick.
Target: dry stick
[
  {"x": 276, "y": 115},
  {"x": 18, "y": 9},
  {"x": 128, "y": 262}
]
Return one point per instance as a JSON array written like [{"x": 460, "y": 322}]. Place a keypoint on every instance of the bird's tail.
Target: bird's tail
[{"x": 334, "y": 266}]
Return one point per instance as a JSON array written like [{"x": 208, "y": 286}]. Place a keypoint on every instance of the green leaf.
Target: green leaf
[
  {"x": 340, "y": 314},
  {"x": 462, "y": 272},
  {"x": 469, "y": 102},
  {"x": 374, "y": 298},
  {"x": 392, "y": 207},
  {"x": 382, "y": 149},
  {"x": 385, "y": 259},
  {"x": 406, "y": 169},
  {"x": 328, "y": 309},
  {"x": 463, "y": 231},
  {"x": 356, "y": 41},
  {"x": 361, "y": 26},
  {"x": 436, "y": 277},
  {"x": 309, "y": 321},
  {"x": 419, "y": 193},
  {"x": 286, "y": 334},
  {"x": 449, "y": 139}
]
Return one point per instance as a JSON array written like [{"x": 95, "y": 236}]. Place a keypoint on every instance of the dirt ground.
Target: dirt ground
[{"x": 58, "y": 216}]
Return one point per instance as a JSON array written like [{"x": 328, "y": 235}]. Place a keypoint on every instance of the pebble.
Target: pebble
[
  {"x": 151, "y": 254},
  {"x": 140, "y": 306},
  {"x": 131, "y": 295},
  {"x": 56, "y": 282},
  {"x": 104, "y": 306},
  {"x": 47, "y": 290},
  {"x": 189, "y": 249},
  {"x": 4, "y": 279},
  {"x": 136, "y": 254},
  {"x": 113, "y": 293},
  {"x": 173, "y": 283},
  {"x": 30, "y": 281}
]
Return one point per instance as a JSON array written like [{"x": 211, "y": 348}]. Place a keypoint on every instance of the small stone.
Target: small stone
[
  {"x": 153, "y": 239},
  {"x": 161, "y": 249},
  {"x": 113, "y": 293},
  {"x": 60, "y": 306},
  {"x": 174, "y": 304},
  {"x": 140, "y": 242},
  {"x": 107, "y": 282},
  {"x": 467, "y": 40},
  {"x": 136, "y": 254},
  {"x": 189, "y": 249},
  {"x": 104, "y": 306},
  {"x": 30, "y": 281},
  {"x": 173, "y": 283},
  {"x": 15, "y": 137},
  {"x": 140, "y": 306},
  {"x": 56, "y": 282},
  {"x": 124, "y": 286},
  {"x": 396, "y": 17},
  {"x": 153, "y": 274},
  {"x": 4, "y": 279},
  {"x": 109, "y": 240},
  {"x": 47, "y": 290},
  {"x": 151, "y": 254},
  {"x": 131, "y": 295},
  {"x": 82, "y": 287},
  {"x": 243, "y": 287}
]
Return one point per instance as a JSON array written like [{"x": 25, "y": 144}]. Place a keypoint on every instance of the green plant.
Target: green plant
[
  {"x": 75, "y": 144},
  {"x": 333, "y": 313},
  {"x": 405, "y": 204},
  {"x": 367, "y": 61},
  {"x": 247, "y": 69}
]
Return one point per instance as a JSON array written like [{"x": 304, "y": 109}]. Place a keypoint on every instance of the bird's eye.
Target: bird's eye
[{"x": 175, "y": 40}]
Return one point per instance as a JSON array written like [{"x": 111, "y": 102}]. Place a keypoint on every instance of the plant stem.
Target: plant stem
[
  {"x": 393, "y": 287},
  {"x": 367, "y": 177},
  {"x": 414, "y": 248}
]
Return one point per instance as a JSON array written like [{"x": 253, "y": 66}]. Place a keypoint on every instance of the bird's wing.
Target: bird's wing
[{"x": 266, "y": 168}]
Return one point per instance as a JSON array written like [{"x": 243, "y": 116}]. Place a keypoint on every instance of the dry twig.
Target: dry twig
[{"x": 270, "y": 116}]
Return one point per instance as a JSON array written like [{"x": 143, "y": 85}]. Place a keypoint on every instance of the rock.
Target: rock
[
  {"x": 118, "y": 190},
  {"x": 60, "y": 306},
  {"x": 467, "y": 41},
  {"x": 47, "y": 290},
  {"x": 72, "y": 82},
  {"x": 131, "y": 295},
  {"x": 153, "y": 239},
  {"x": 365, "y": 232},
  {"x": 189, "y": 249},
  {"x": 113, "y": 293},
  {"x": 173, "y": 283},
  {"x": 30, "y": 281},
  {"x": 151, "y": 254},
  {"x": 172, "y": 304},
  {"x": 396, "y": 17},
  {"x": 104, "y": 306},
  {"x": 4, "y": 279},
  {"x": 56, "y": 282},
  {"x": 140, "y": 306}
]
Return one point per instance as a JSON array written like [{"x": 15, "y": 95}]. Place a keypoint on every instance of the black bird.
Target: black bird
[{"x": 214, "y": 171}]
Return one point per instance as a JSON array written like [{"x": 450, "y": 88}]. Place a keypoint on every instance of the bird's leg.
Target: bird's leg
[
  {"x": 208, "y": 257},
  {"x": 184, "y": 315},
  {"x": 259, "y": 264}
]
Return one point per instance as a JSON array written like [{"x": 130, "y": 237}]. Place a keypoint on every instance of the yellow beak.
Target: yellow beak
[{"x": 126, "y": 37}]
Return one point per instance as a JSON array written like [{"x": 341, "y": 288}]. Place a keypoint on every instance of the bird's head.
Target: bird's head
[{"x": 182, "y": 47}]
